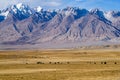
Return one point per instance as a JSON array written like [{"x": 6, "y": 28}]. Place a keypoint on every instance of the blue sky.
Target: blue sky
[{"x": 58, "y": 4}]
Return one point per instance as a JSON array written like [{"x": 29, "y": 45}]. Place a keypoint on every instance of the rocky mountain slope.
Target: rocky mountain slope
[{"x": 20, "y": 24}]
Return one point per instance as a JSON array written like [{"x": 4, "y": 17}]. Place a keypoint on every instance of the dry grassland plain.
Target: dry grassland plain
[{"x": 101, "y": 64}]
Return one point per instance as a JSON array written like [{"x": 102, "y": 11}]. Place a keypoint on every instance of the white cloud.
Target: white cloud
[
  {"x": 45, "y": 3},
  {"x": 32, "y": 3},
  {"x": 79, "y": 0},
  {"x": 52, "y": 4}
]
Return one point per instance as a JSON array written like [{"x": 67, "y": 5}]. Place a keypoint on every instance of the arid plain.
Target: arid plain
[{"x": 74, "y": 64}]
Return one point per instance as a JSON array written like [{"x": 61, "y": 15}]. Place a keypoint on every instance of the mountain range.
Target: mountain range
[{"x": 20, "y": 24}]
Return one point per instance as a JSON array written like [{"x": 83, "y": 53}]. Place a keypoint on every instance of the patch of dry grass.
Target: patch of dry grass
[{"x": 60, "y": 65}]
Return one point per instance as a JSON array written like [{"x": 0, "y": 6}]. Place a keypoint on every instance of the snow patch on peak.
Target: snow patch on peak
[
  {"x": 68, "y": 11},
  {"x": 97, "y": 11},
  {"x": 5, "y": 14},
  {"x": 94, "y": 10},
  {"x": 110, "y": 16},
  {"x": 39, "y": 9},
  {"x": 19, "y": 5},
  {"x": 22, "y": 7}
]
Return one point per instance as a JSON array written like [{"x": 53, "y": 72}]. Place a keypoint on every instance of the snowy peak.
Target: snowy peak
[
  {"x": 115, "y": 13},
  {"x": 20, "y": 11},
  {"x": 20, "y": 6},
  {"x": 75, "y": 11},
  {"x": 112, "y": 16},
  {"x": 5, "y": 13},
  {"x": 98, "y": 12},
  {"x": 38, "y": 9}
]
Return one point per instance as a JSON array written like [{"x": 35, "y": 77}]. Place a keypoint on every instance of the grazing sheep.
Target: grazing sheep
[
  {"x": 101, "y": 62},
  {"x": 55, "y": 63},
  {"x": 50, "y": 62},
  {"x": 40, "y": 63},
  {"x": 105, "y": 62},
  {"x": 68, "y": 62},
  {"x": 115, "y": 63}
]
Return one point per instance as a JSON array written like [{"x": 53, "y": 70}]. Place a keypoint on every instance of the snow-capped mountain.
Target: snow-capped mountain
[
  {"x": 21, "y": 24},
  {"x": 20, "y": 11}
]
